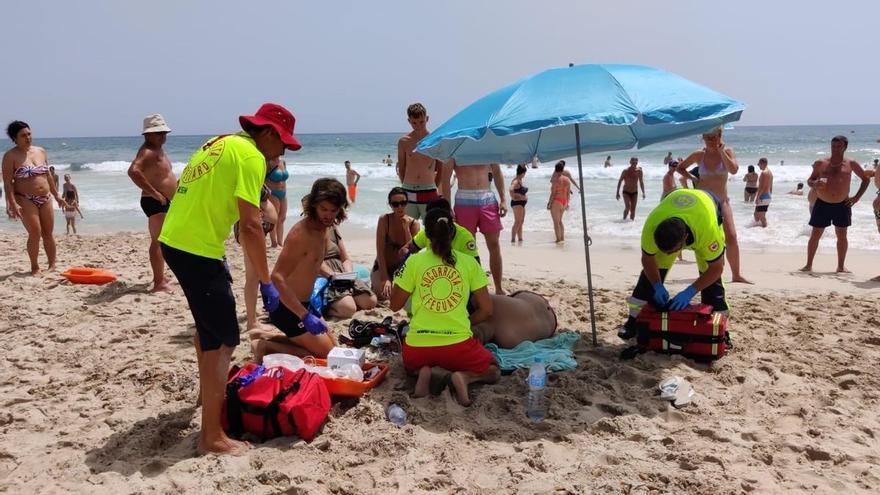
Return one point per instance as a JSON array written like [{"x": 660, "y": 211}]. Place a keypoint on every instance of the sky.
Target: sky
[{"x": 96, "y": 68}]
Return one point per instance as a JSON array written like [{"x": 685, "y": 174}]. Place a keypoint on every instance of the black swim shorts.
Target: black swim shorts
[
  {"x": 287, "y": 321},
  {"x": 207, "y": 285},
  {"x": 825, "y": 214},
  {"x": 152, "y": 206}
]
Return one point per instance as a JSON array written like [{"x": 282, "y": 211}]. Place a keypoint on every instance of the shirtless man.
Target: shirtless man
[
  {"x": 352, "y": 177},
  {"x": 763, "y": 195},
  {"x": 476, "y": 207},
  {"x": 517, "y": 318},
  {"x": 419, "y": 174},
  {"x": 632, "y": 179},
  {"x": 151, "y": 171},
  {"x": 304, "y": 333},
  {"x": 831, "y": 180},
  {"x": 669, "y": 179}
]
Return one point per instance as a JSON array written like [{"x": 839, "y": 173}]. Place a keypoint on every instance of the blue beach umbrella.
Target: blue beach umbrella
[{"x": 579, "y": 109}]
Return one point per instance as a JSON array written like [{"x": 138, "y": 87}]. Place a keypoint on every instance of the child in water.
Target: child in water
[{"x": 70, "y": 210}]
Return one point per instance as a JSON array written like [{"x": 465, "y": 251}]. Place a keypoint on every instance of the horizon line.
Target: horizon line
[{"x": 404, "y": 132}]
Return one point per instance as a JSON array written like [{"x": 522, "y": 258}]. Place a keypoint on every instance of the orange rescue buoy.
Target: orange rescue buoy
[{"x": 79, "y": 275}]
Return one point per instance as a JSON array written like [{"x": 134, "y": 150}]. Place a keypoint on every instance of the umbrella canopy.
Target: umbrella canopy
[
  {"x": 617, "y": 106},
  {"x": 562, "y": 112}
]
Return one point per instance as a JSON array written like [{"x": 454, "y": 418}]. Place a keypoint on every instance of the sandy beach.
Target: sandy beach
[{"x": 99, "y": 388}]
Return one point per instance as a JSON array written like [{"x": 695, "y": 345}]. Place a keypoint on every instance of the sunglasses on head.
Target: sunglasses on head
[{"x": 396, "y": 204}]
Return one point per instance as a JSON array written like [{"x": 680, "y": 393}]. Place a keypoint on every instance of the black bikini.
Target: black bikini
[{"x": 519, "y": 190}]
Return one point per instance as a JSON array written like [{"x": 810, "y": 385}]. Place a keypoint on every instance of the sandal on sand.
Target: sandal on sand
[{"x": 676, "y": 389}]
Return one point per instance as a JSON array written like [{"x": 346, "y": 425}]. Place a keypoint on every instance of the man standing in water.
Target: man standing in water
[
  {"x": 765, "y": 190},
  {"x": 476, "y": 207},
  {"x": 221, "y": 185},
  {"x": 631, "y": 178},
  {"x": 831, "y": 180},
  {"x": 352, "y": 177},
  {"x": 418, "y": 173},
  {"x": 151, "y": 171}
]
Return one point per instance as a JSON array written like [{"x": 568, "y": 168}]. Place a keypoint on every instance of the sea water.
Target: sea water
[{"x": 110, "y": 202}]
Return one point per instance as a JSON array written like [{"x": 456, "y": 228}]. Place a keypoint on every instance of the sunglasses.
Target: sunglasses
[{"x": 397, "y": 204}]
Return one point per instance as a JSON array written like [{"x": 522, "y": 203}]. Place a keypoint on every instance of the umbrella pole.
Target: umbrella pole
[{"x": 577, "y": 137}]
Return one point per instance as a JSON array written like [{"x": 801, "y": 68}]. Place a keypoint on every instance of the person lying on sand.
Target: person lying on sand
[{"x": 519, "y": 317}]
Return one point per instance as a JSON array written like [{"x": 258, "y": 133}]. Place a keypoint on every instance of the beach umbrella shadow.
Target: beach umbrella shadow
[
  {"x": 150, "y": 446},
  {"x": 114, "y": 291},
  {"x": 4, "y": 278}
]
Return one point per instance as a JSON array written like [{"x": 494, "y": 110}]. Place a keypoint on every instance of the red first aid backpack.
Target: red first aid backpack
[
  {"x": 273, "y": 402},
  {"x": 695, "y": 332}
]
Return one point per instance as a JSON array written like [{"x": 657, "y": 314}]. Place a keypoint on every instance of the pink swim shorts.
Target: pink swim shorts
[{"x": 477, "y": 210}]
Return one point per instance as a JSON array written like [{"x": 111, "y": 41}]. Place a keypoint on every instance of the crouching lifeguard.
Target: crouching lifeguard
[{"x": 684, "y": 219}]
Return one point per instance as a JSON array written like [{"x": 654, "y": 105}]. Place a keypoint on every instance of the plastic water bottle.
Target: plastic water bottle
[
  {"x": 396, "y": 415},
  {"x": 536, "y": 405}
]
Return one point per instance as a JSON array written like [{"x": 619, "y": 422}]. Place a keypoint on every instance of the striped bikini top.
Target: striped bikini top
[{"x": 26, "y": 171}]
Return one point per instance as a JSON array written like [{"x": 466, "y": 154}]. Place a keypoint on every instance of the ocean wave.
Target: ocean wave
[{"x": 108, "y": 166}]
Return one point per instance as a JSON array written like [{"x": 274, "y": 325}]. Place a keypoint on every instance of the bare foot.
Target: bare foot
[
  {"x": 35, "y": 270},
  {"x": 842, "y": 269},
  {"x": 258, "y": 348},
  {"x": 423, "y": 383},
  {"x": 263, "y": 332},
  {"x": 807, "y": 268},
  {"x": 460, "y": 386},
  {"x": 162, "y": 286},
  {"x": 740, "y": 280},
  {"x": 500, "y": 292},
  {"x": 51, "y": 267},
  {"x": 223, "y": 445}
]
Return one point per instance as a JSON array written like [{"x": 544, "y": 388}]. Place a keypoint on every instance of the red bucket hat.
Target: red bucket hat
[{"x": 279, "y": 118}]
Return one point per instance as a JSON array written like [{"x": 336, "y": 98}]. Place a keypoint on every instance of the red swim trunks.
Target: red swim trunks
[{"x": 468, "y": 355}]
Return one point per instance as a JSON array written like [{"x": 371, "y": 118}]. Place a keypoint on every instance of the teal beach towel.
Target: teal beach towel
[{"x": 556, "y": 352}]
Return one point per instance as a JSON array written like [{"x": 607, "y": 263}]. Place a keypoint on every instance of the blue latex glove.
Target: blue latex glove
[
  {"x": 661, "y": 295},
  {"x": 271, "y": 298},
  {"x": 313, "y": 324},
  {"x": 683, "y": 298}
]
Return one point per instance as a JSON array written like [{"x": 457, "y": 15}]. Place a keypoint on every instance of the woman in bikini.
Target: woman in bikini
[
  {"x": 30, "y": 190},
  {"x": 518, "y": 199},
  {"x": 276, "y": 180},
  {"x": 394, "y": 232},
  {"x": 751, "y": 180},
  {"x": 560, "y": 193},
  {"x": 716, "y": 161}
]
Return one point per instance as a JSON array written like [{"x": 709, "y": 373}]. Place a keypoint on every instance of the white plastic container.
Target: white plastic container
[
  {"x": 340, "y": 356},
  {"x": 288, "y": 361}
]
